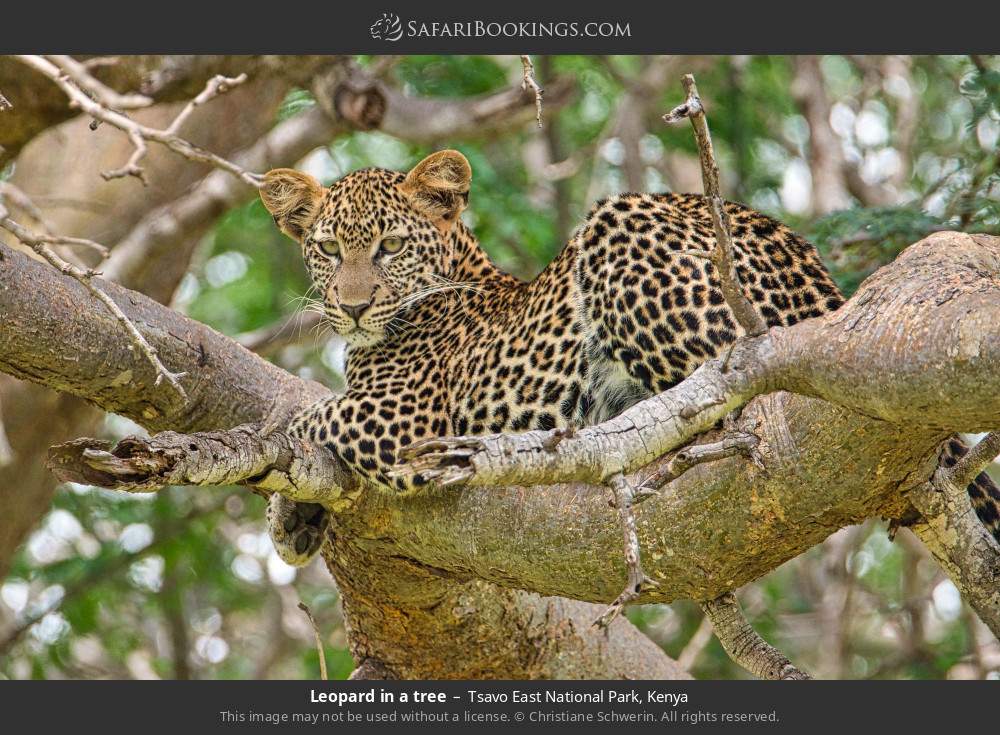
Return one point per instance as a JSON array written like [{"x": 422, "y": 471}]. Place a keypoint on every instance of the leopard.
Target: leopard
[{"x": 443, "y": 342}]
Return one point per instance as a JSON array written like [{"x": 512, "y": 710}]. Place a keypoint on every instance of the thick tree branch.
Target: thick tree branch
[
  {"x": 50, "y": 337},
  {"x": 40, "y": 244},
  {"x": 157, "y": 270},
  {"x": 723, "y": 524},
  {"x": 593, "y": 454},
  {"x": 242, "y": 456},
  {"x": 151, "y": 253},
  {"x": 851, "y": 357}
]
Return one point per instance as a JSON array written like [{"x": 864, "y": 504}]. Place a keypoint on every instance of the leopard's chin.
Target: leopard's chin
[{"x": 361, "y": 337}]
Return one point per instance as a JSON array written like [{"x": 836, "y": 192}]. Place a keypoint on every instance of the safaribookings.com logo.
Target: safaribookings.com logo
[
  {"x": 387, "y": 28},
  {"x": 390, "y": 28}
]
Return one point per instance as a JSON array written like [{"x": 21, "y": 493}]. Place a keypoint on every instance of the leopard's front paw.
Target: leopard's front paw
[{"x": 297, "y": 529}]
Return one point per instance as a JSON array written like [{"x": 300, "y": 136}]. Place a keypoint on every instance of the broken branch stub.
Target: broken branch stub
[
  {"x": 723, "y": 254},
  {"x": 273, "y": 462}
]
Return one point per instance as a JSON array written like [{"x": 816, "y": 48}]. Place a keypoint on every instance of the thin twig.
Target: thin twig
[
  {"x": 14, "y": 194},
  {"x": 638, "y": 582},
  {"x": 744, "y": 645},
  {"x": 40, "y": 244},
  {"x": 529, "y": 83},
  {"x": 319, "y": 640},
  {"x": 695, "y": 454},
  {"x": 723, "y": 254},
  {"x": 80, "y": 75},
  {"x": 139, "y": 134},
  {"x": 19, "y": 199}
]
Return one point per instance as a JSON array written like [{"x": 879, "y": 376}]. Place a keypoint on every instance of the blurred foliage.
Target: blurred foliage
[{"x": 185, "y": 583}]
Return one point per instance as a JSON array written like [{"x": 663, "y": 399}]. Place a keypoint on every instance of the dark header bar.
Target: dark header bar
[{"x": 513, "y": 26}]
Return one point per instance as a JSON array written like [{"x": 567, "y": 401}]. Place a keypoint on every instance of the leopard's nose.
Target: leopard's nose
[{"x": 355, "y": 310}]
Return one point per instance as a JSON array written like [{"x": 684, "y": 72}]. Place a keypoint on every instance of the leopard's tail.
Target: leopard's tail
[{"x": 983, "y": 492}]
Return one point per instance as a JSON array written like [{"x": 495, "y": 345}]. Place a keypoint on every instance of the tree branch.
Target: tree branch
[
  {"x": 529, "y": 84},
  {"x": 723, "y": 254},
  {"x": 974, "y": 461},
  {"x": 744, "y": 645},
  {"x": 319, "y": 640},
  {"x": 139, "y": 134},
  {"x": 245, "y": 455},
  {"x": 955, "y": 535},
  {"x": 739, "y": 639},
  {"x": 40, "y": 244},
  {"x": 103, "y": 95},
  {"x": 730, "y": 445},
  {"x": 626, "y": 443}
]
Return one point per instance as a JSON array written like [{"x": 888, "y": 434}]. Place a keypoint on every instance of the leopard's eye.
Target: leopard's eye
[
  {"x": 330, "y": 248},
  {"x": 392, "y": 245}
]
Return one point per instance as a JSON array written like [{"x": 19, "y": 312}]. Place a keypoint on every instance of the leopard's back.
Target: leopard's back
[{"x": 650, "y": 302}]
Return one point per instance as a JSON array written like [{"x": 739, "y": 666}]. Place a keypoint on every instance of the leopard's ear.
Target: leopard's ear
[
  {"x": 293, "y": 199},
  {"x": 438, "y": 187}
]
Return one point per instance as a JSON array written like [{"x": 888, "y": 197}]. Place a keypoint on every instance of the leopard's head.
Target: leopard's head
[{"x": 375, "y": 242}]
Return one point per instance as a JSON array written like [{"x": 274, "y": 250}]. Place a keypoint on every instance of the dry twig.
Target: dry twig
[
  {"x": 140, "y": 134},
  {"x": 22, "y": 201},
  {"x": 529, "y": 83},
  {"x": 729, "y": 446},
  {"x": 103, "y": 95},
  {"x": 638, "y": 581},
  {"x": 723, "y": 254},
  {"x": 244, "y": 455},
  {"x": 319, "y": 640},
  {"x": 723, "y": 259}
]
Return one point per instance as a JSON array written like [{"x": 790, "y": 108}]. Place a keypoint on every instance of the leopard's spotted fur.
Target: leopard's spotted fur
[{"x": 451, "y": 345}]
